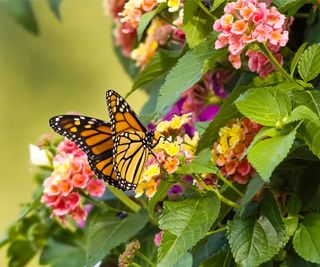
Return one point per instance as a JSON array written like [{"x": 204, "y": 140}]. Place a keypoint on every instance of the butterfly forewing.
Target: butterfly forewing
[{"x": 93, "y": 137}]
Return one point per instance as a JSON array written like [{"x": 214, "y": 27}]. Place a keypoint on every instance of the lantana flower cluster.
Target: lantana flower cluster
[
  {"x": 126, "y": 16},
  {"x": 71, "y": 176},
  {"x": 173, "y": 150},
  {"x": 248, "y": 21},
  {"x": 228, "y": 150}
]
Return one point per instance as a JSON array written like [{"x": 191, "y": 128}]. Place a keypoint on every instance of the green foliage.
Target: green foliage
[
  {"x": 221, "y": 259},
  {"x": 182, "y": 227},
  {"x": 306, "y": 240},
  {"x": 55, "y": 7},
  {"x": 107, "y": 231},
  {"x": 309, "y": 65},
  {"x": 296, "y": 58},
  {"x": 185, "y": 74},
  {"x": 196, "y": 23},
  {"x": 266, "y": 155}
]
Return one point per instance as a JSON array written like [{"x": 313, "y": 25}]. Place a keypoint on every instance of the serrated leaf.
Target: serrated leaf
[
  {"x": 296, "y": 58},
  {"x": 310, "y": 99},
  {"x": 266, "y": 106},
  {"x": 306, "y": 240},
  {"x": 147, "y": 17},
  {"x": 290, "y": 224},
  {"x": 266, "y": 155},
  {"x": 311, "y": 135},
  {"x": 302, "y": 113},
  {"x": 161, "y": 62},
  {"x": 309, "y": 64},
  {"x": 55, "y": 7},
  {"x": 201, "y": 164},
  {"x": 185, "y": 74},
  {"x": 196, "y": 23},
  {"x": 272, "y": 79},
  {"x": 23, "y": 13},
  {"x": 253, "y": 241},
  {"x": 227, "y": 112},
  {"x": 108, "y": 231},
  {"x": 296, "y": 261},
  {"x": 182, "y": 228}
]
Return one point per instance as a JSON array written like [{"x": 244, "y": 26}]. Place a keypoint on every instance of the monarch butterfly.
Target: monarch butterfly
[{"x": 117, "y": 151}]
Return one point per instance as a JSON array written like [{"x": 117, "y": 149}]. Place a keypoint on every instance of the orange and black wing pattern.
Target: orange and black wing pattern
[
  {"x": 92, "y": 136},
  {"x": 123, "y": 118},
  {"x": 129, "y": 156}
]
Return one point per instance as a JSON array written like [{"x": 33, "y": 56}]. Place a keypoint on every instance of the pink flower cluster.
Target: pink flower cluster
[
  {"x": 71, "y": 175},
  {"x": 248, "y": 21}
]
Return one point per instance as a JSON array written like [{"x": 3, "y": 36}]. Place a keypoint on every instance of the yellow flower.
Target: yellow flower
[
  {"x": 171, "y": 148},
  {"x": 150, "y": 172},
  {"x": 178, "y": 121},
  {"x": 190, "y": 144},
  {"x": 163, "y": 126},
  {"x": 173, "y": 5},
  {"x": 150, "y": 188}
]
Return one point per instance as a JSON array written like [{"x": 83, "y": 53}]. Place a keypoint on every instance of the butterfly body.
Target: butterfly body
[{"x": 117, "y": 151}]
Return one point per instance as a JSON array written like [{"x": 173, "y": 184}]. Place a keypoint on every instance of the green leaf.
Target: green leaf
[
  {"x": 23, "y": 13},
  {"x": 185, "y": 74},
  {"x": 57, "y": 254},
  {"x": 161, "y": 62},
  {"x": 310, "y": 99},
  {"x": 266, "y": 155},
  {"x": 20, "y": 252},
  {"x": 201, "y": 126},
  {"x": 182, "y": 226},
  {"x": 201, "y": 164},
  {"x": 221, "y": 259},
  {"x": 290, "y": 224},
  {"x": 147, "y": 17},
  {"x": 227, "y": 112},
  {"x": 311, "y": 135},
  {"x": 266, "y": 106},
  {"x": 291, "y": 5},
  {"x": 196, "y": 23},
  {"x": 296, "y": 58},
  {"x": 301, "y": 113},
  {"x": 158, "y": 196},
  {"x": 216, "y": 4},
  {"x": 55, "y": 7},
  {"x": 306, "y": 240},
  {"x": 253, "y": 241},
  {"x": 185, "y": 261},
  {"x": 296, "y": 261},
  {"x": 272, "y": 79},
  {"x": 108, "y": 231},
  {"x": 254, "y": 186},
  {"x": 309, "y": 64}
]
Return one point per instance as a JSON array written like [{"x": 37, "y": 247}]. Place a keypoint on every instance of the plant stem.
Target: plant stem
[
  {"x": 98, "y": 203},
  {"x": 228, "y": 183},
  {"x": 216, "y": 231},
  {"x": 135, "y": 264},
  {"x": 125, "y": 199},
  {"x": 145, "y": 258},
  {"x": 206, "y": 10},
  {"x": 274, "y": 61}
]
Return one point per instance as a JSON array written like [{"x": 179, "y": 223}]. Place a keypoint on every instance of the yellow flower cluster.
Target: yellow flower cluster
[{"x": 170, "y": 155}]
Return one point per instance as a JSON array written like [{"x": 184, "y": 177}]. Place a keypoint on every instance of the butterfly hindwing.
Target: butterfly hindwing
[{"x": 129, "y": 156}]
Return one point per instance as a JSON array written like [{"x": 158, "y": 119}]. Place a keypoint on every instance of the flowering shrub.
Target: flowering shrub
[{"x": 234, "y": 179}]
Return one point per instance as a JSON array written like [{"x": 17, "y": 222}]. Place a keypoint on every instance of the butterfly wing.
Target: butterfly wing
[
  {"x": 129, "y": 156},
  {"x": 92, "y": 136},
  {"x": 123, "y": 118}
]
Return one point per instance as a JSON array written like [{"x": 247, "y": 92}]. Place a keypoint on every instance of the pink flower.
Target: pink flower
[
  {"x": 235, "y": 61},
  {"x": 73, "y": 200},
  {"x": 96, "y": 187},
  {"x": 261, "y": 32},
  {"x": 61, "y": 208},
  {"x": 275, "y": 19},
  {"x": 221, "y": 41},
  {"x": 158, "y": 238},
  {"x": 79, "y": 215},
  {"x": 226, "y": 21},
  {"x": 80, "y": 180},
  {"x": 65, "y": 187},
  {"x": 239, "y": 27},
  {"x": 247, "y": 11}
]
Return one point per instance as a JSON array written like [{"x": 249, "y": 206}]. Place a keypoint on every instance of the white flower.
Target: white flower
[{"x": 38, "y": 156}]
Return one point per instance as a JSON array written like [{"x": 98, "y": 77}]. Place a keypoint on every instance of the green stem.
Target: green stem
[
  {"x": 216, "y": 231},
  {"x": 125, "y": 199},
  {"x": 98, "y": 203},
  {"x": 218, "y": 194},
  {"x": 145, "y": 258},
  {"x": 135, "y": 264},
  {"x": 228, "y": 183},
  {"x": 206, "y": 10},
  {"x": 275, "y": 62}
]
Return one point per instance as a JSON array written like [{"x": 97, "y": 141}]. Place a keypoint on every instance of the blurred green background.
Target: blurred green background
[{"x": 67, "y": 67}]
